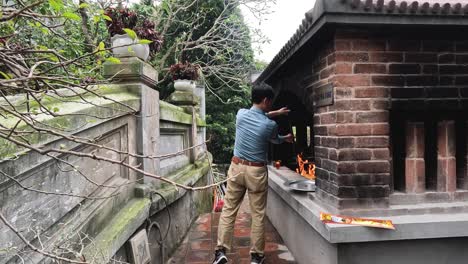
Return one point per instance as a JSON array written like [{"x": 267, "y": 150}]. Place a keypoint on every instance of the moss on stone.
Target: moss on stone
[
  {"x": 95, "y": 106},
  {"x": 184, "y": 98},
  {"x": 189, "y": 175},
  {"x": 176, "y": 114},
  {"x": 201, "y": 122},
  {"x": 203, "y": 199},
  {"x": 121, "y": 225},
  {"x": 170, "y": 112}
]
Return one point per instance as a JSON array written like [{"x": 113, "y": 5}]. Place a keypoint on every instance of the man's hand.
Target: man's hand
[
  {"x": 289, "y": 138},
  {"x": 281, "y": 111}
]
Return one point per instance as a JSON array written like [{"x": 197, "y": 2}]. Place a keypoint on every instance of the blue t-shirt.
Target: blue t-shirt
[{"x": 254, "y": 130}]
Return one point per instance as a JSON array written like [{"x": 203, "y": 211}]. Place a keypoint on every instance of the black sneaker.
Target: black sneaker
[
  {"x": 220, "y": 256},
  {"x": 257, "y": 258}
]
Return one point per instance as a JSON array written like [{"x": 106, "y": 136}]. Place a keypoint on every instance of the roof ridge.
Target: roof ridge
[{"x": 445, "y": 7}]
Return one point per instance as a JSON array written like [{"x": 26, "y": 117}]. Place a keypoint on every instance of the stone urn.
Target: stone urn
[
  {"x": 131, "y": 47},
  {"x": 184, "y": 85}
]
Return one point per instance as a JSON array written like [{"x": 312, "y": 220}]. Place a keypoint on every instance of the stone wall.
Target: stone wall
[
  {"x": 56, "y": 190},
  {"x": 107, "y": 202}
]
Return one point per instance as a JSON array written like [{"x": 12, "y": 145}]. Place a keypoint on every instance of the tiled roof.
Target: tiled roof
[{"x": 398, "y": 8}]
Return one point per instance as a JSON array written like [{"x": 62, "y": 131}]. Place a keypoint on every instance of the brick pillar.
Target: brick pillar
[
  {"x": 463, "y": 181},
  {"x": 466, "y": 159},
  {"x": 352, "y": 134},
  {"x": 446, "y": 161},
  {"x": 415, "y": 171}
]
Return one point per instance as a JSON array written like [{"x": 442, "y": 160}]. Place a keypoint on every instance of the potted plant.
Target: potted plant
[
  {"x": 146, "y": 31},
  {"x": 130, "y": 35},
  {"x": 184, "y": 76}
]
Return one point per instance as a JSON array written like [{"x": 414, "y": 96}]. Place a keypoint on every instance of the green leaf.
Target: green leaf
[
  {"x": 101, "y": 46},
  {"x": 83, "y": 5},
  {"x": 113, "y": 60},
  {"x": 130, "y": 50},
  {"x": 165, "y": 7},
  {"x": 71, "y": 16},
  {"x": 101, "y": 49},
  {"x": 145, "y": 41},
  {"x": 53, "y": 58},
  {"x": 55, "y": 109},
  {"x": 96, "y": 19},
  {"x": 106, "y": 17},
  {"x": 57, "y": 5},
  {"x": 5, "y": 75},
  {"x": 130, "y": 33}
]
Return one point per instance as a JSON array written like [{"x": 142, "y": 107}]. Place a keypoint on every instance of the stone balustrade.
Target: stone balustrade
[{"x": 126, "y": 116}]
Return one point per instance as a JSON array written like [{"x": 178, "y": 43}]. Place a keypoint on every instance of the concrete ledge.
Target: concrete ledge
[
  {"x": 408, "y": 227},
  {"x": 399, "y": 198},
  {"x": 419, "y": 239}
]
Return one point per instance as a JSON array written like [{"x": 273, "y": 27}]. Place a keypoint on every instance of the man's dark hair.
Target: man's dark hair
[{"x": 261, "y": 91}]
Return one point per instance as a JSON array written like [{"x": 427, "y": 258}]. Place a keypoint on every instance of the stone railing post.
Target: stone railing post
[
  {"x": 190, "y": 102},
  {"x": 200, "y": 92},
  {"x": 141, "y": 78}
]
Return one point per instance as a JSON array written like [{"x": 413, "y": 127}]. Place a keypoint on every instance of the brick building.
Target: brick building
[{"x": 379, "y": 98}]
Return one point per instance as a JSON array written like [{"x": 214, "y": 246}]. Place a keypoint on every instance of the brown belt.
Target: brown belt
[{"x": 238, "y": 160}]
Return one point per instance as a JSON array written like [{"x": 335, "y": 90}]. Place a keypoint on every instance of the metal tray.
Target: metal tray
[{"x": 302, "y": 185}]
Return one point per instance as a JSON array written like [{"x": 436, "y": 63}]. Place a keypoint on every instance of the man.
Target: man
[{"x": 248, "y": 172}]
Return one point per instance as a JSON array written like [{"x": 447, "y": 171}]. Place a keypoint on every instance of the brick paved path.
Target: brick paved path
[{"x": 198, "y": 246}]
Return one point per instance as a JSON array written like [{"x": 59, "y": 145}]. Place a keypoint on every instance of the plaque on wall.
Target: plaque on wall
[
  {"x": 323, "y": 95},
  {"x": 139, "y": 248}
]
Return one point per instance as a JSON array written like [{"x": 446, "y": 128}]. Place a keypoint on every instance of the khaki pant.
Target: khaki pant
[{"x": 254, "y": 180}]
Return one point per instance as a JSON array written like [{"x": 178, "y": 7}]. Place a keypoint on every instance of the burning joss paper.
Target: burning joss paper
[
  {"x": 305, "y": 167},
  {"x": 338, "y": 219}
]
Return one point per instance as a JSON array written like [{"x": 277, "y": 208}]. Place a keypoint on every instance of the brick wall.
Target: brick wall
[{"x": 374, "y": 72}]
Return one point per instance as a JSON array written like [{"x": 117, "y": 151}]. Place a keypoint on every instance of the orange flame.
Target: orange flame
[{"x": 305, "y": 168}]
